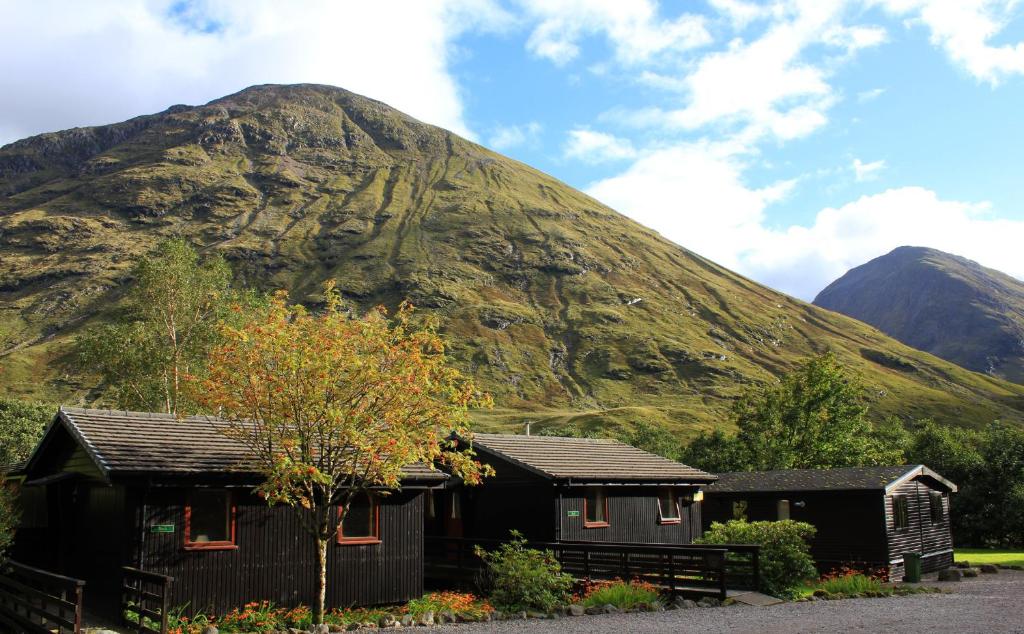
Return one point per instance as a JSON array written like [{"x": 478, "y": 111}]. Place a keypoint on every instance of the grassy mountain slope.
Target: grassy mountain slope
[
  {"x": 940, "y": 303},
  {"x": 563, "y": 308}
]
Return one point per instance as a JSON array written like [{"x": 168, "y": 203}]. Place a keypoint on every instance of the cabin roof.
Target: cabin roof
[
  {"x": 883, "y": 478},
  {"x": 126, "y": 443},
  {"x": 586, "y": 459}
]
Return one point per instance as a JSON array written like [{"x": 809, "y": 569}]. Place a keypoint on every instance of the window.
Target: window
[
  {"x": 935, "y": 506},
  {"x": 668, "y": 507},
  {"x": 900, "y": 513},
  {"x": 595, "y": 508},
  {"x": 361, "y": 525},
  {"x": 782, "y": 509},
  {"x": 209, "y": 520},
  {"x": 739, "y": 510}
]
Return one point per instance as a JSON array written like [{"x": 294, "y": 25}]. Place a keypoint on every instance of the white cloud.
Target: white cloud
[
  {"x": 695, "y": 196},
  {"x": 867, "y": 171},
  {"x": 635, "y": 30},
  {"x": 768, "y": 87},
  {"x": 870, "y": 95},
  {"x": 741, "y": 13},
  {"x": 76, "y": 63},
  {"x": 803, "y": 260},
  {"x": 597, "y": 147},
  {"x": 508, "y": 137},
  {"x": 965, "y": 30}
]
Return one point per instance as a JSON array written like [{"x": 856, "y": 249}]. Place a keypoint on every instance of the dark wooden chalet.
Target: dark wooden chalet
[
  {"x": 556, "y": 489},
  {"x": 866, "y": 516},
  {"x": 113, "y": 489}
]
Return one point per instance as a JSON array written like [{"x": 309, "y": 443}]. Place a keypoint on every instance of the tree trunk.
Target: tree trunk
[{"x": 321, "y": 584}]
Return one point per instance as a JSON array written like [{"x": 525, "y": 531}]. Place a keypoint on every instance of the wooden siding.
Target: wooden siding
[
  {"x": 276, "y": 558},
  {"x": 934, "y": 541},
  {"x": 849, "y": 523},
  {"x": 632, "y": 517}
]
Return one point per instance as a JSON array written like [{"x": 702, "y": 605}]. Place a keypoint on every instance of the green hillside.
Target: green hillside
[
  {"x": 940, "y": 303},
  {"x": 561, "y": 307}
]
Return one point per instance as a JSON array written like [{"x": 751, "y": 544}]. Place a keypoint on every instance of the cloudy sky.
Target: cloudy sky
[{"x": 787, "y": 140}]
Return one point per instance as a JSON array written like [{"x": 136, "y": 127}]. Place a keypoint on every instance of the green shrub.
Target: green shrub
[
  {"x": 522, "y": 578},
  {"x": 619, "y": 593},
  {"x": 785, "y": 550}
]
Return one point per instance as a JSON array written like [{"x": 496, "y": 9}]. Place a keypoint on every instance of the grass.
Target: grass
[{"x": 1011, "y": 557}]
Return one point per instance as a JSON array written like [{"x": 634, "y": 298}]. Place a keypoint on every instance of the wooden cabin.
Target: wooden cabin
[
  {"x": 170, "y": 496},
  {"x": 866, "y": 516},
  {"x": 571, "y": 489}
]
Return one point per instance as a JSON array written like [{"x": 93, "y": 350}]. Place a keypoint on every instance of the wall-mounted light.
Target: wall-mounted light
[{"x": 800, "y": 504}]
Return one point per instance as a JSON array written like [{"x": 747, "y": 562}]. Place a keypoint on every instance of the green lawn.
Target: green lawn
[{"x": 986, "y": 556}]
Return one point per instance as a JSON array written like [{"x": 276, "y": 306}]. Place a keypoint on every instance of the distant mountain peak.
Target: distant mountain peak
[{"x": 940, "y": 303}]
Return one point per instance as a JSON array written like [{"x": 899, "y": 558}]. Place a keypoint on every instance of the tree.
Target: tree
[
  {"x": 715, "y": 452},
  {"x": 331, "y": 406},
  {"x": 21, "y": 426},
  {"x": 169, "y": 321},
  {"x": 813, "y": 418},
  {"x": 988, "y": 467}
]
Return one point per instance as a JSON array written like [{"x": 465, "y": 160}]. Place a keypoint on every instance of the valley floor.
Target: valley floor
[{"x": 989, "y": 603}]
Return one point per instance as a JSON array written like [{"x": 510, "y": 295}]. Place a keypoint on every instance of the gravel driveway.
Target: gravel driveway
[{"x": 989, "y": 603}]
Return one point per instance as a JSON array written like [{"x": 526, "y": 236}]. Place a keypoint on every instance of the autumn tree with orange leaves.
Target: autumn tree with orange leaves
[{"x": 332, "y": 406}]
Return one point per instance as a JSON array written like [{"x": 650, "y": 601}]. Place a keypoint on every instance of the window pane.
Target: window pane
[
  {"x": 595, "y": 506},
  {"x": 210, "y": 517},
  {"x": 901, "y": 517},
  {"x": 667, "y": 505},
  {"x": 936, "y": 506},
  {"x": 358, "y": 521}
]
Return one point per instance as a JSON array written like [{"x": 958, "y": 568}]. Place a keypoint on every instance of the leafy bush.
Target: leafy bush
[
  {"x": 785, "y": 550},
  {"x": 621, "y": 594},
  {"x": 524, "y": 578}
]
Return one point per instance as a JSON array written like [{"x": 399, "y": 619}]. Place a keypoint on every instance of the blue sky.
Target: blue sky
[{"x": 787, "y": 140}]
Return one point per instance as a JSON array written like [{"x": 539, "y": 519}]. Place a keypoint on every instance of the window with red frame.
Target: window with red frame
[
  {"x": 361, "y": 525},
  {"x": 668, "y": 507},
  {"x": 210, "y": 520},
  {"x": 595, "y": 508}
]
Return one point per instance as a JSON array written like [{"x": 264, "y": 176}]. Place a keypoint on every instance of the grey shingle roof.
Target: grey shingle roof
[
  {"x": 841, "y": 479},
  {"x": 587, "y": 459},
  {"x": 136, "y": 443}
]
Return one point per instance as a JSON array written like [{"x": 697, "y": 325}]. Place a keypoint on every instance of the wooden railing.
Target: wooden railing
[
  {"x": 146, "y": 595},
  {"x": 36, "y": 601},
  {"x": 679, "y": 569}
]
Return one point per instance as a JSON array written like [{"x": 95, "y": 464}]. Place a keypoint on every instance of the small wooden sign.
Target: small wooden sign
[
  {"x": 574, "y": 513},
  {"x": 161, "y": 528}
]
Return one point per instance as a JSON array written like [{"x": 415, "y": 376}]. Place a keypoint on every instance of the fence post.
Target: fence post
[
  {"x": 721, "y": 575},
  {"x": 672, "y": 574},
  {"x": 756, "y": 565}
]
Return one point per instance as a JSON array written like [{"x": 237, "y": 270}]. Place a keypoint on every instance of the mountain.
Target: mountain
[
  {"x": 940, "y": 303},
  {"x": 560, "y": 306}
]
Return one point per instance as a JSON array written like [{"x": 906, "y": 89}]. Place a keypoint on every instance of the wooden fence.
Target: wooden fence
[
  {"x": 39, "y": 602},
  {"x": 679, "y": 569},
  {"x": 146, "y": 595}
]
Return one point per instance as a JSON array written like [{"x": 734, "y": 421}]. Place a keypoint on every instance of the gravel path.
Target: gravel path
[{"x": 989, "y": 603}]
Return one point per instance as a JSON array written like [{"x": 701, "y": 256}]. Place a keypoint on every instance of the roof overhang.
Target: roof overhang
[{"x": 922, "y": 472}]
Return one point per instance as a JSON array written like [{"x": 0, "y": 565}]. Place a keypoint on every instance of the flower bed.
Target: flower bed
[{"x": 264, "y": 616}]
